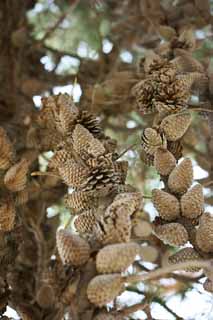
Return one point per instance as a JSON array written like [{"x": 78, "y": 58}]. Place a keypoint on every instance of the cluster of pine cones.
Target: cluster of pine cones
[
  {"x": 103, "y": 205},
  {"x": 165, "y": 91}
]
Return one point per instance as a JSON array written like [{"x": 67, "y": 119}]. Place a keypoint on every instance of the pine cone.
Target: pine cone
[
  {"x": 81, "y": 200},
  {"x": 173, "y": 234},
  {"x": 85, "y": 221},
  {"x": 73, "y": 174},
  {"x": 144, "y": 93},
  {"x": 175, "y": 126},
  {"x": 15, "y": 178},
  {"x": 116, "y": 229},
  {"x": 100, "y": 178},
  {"x": 117, "y": 257},
  {"x": 151, "y": 140},
  {"x": 7, "y": 214},
  {"x": 58, "y": 112},
  {"x": 104, "y": 288},
  {"x": 115, "y": 225},
  {"x": 91, "y": 123},
  {"x": 176, "y": 148},
  {"x": 208, "y": 285},
  {"x": 164, "y": 161},
  {"x": 204, "y": 234},
  {"x": 48, "y": 139},
  {"x": 170, "y": 106},
  {"x": 60, "y": 158},
  {"x": 7, "y": 155},
  {"x": 185, "y": 254},
  {"x": 192, "y": 202},
  {"x": 85, "y": 144},
  {"x": 122, "y": 168},
  {"x": 149, "y": 253},
  {"x": 141, "y": 228},
  {"x": 166, "y": 204},
  {"x": 181, "y": 177},
  {"x": 72, "y": 249},
  {"x": 186, "y": 63}
]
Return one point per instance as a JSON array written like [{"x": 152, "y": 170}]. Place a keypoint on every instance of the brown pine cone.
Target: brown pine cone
[
  {"x": 85, "y": 221},
  {"x": 192, "y": 202},
  {"x": 151, "y": 140},
  {"x": 185, "y": 254},
  {"x": 7, "y": 214},
  {"x": 164, "y": 161},
  {"x": 173, "y": 234},
  {"x": 181, "y": 177},
  {"x": 72, "y": 249},
  {"x": 7, "y": 153},
  {"x": 73, "y": 174},
  {"x": 166, "y": 204},
  {"x": 105, "y": 288},
  {"x": 175, "y": 126},
  {"x": 15, "y": 178},
  {"x": 116, "y": 257},
  {"x": 204, "y": 234}
]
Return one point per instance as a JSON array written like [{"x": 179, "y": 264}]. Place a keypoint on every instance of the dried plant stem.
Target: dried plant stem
[
  {"x": 127, "y": 149},
  {"x": 125, "y": 312},
  {"x": 200, "y": 109},
  {"x": 39, "y": 173},
  {"x": 162, "y": 271}
]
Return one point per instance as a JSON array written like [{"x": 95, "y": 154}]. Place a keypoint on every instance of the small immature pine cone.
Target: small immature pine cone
[
  {"x": 85, "y": 144},
  {"x": 208, "y": 285},
  {"x": 185, "y": 254},
  {"x": 173, "y": 234},
  {"x": 149, "y": 253},
  {"x": 116, "y": 257},
  {"x": 45, "y": 296},
  {"x": 73, "y": 173},
  {"x": 141, "y": 228},
  {"x": 6, "y": 156},
  {"x": 105, "y": 288},
  {"x": 204, "y": 234},
  {"x": 166, "y": 204},
  {"x": 85, "y": 221},
  {"x": 181, "y": 177},
  {"x": 175, "y": 126},
  {"x": 15, "y": 178},
  {"x": 7, "y": 214},
  {"x": 192, "y": 202},
  {"x": 72, "y": 249},
  {"x": 164, "y": 161},
  {"x": 151, "y": 140}
]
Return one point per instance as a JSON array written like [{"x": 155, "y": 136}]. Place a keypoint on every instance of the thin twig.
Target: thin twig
[
  {"x": 162, "y": 271},
  {"x": 39, "y": 173},
  {"x": 127, "y": 149},
  {"x": 125, "y": 312}
]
